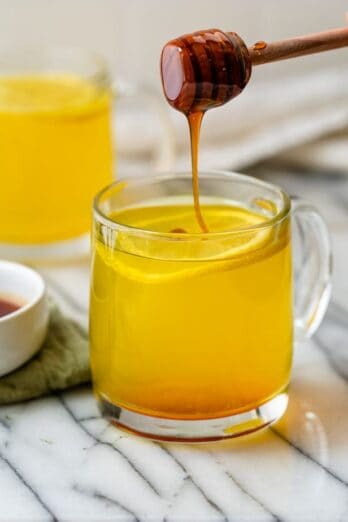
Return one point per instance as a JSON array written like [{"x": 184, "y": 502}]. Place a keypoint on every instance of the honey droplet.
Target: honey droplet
[
  {"x": 258, "y": 46},
  {"x": 178, "y": 231}
]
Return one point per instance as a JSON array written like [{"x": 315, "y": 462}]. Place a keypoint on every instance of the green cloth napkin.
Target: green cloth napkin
[{"x": 63, "y": 361}]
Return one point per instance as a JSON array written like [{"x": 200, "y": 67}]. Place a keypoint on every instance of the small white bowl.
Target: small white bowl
[{"x": 23, "y": 331}]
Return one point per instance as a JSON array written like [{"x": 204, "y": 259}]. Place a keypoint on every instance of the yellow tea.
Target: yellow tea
[
  {"x": 55, "y": 153},
  {"x": 191, "y": 329}
]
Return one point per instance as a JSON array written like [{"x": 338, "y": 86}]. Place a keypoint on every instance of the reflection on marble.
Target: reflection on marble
[{"x": 60, "y": 461}]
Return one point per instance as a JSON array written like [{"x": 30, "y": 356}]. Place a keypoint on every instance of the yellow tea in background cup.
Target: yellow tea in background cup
[
  {"x": 55, "y": 149},
  {"x": 192, "y": 334},
  {"x": 55, "y": 152}
]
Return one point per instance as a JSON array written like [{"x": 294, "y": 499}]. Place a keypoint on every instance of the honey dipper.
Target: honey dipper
[{"x": 208, "y": 68}]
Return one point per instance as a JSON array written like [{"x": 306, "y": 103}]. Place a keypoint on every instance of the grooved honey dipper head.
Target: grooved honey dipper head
[{"x": 204, "y": 69}]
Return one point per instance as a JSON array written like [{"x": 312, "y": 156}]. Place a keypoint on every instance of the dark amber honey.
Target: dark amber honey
[{"x": 8, "y": 307}]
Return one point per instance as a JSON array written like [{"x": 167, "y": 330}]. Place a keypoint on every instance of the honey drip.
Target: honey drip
[
  {"x": 259, "y": 46},
  {"x": 195, "y": 120}
]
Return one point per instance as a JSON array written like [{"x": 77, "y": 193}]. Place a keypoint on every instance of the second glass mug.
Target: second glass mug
[
  {"x": 56, "y": 147},
  {"x": 192, "y": 334}
]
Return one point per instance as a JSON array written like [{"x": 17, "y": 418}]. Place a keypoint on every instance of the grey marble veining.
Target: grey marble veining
[{"x": 60, "y": 461}]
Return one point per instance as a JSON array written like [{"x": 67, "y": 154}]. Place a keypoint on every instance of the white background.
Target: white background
[{"x": 130, "y": 33}]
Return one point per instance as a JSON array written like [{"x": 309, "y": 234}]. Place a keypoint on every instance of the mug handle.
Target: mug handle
[
  {"x": 164, "y": 157},
  {"x": 312, "y": 268}
]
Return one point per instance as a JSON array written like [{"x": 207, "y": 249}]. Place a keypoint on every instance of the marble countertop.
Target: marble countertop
[{"x": 60, "y": 461}]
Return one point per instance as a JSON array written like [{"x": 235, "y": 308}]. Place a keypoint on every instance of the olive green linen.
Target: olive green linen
[{"x": 63, "y": 361}]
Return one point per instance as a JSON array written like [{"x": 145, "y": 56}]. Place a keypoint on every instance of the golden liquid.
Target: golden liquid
[
  {"x": 55, "y": 153},
  {"x": 195, "y": 339}
]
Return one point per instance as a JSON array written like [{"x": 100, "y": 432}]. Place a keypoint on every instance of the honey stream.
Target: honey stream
[{"x": 195, "y": 120}]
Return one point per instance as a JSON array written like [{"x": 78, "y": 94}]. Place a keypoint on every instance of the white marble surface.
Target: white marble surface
[{"x": 59, "y": 461}]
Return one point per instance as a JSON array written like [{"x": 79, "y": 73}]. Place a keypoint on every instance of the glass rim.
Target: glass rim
[
  {"x": 103, "y": 218},
  {"x": 100, "y": 77}
]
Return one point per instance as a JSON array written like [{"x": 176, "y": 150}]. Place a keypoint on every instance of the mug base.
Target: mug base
[
  {"x": 175, "y": 430},
  {"x": 58, "y": 251}
]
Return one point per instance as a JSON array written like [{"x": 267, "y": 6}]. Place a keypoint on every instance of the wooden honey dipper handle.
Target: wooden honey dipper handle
[{"x": 263, "y": 52}]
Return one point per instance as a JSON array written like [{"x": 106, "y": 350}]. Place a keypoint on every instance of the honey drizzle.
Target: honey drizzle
[{"x": 195, "y": 120}]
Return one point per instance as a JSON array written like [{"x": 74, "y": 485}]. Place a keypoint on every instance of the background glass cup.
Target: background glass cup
[
  {"x": 55, "y": 148},
  {"x": 192, "y": 334}
]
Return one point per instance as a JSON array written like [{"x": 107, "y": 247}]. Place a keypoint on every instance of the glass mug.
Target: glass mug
[
  {"x": 192, "y": 334},
  {"x": 55, "y": 148}
]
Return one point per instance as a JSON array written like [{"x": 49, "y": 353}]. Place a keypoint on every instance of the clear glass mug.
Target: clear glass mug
[
  {"x": 191, "y": 334},
  {"x": 56, "y": 148}
]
